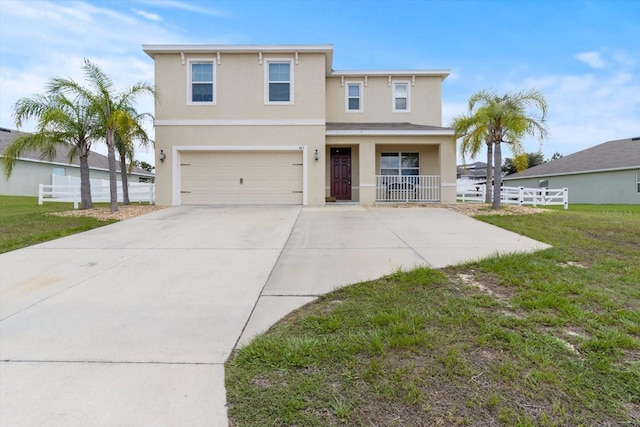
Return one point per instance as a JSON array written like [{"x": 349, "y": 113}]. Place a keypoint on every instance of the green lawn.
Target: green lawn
[
  {"x": 551, "y": 338},
  {"x": 24, "y": 223}
]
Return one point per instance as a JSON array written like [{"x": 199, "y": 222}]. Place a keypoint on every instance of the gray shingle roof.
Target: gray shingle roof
[
  {"x": 96, "y": 160},
  {"x": 611, "y": 155}
]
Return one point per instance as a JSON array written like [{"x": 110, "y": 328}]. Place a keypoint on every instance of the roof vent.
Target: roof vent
[{"x": 5, "y": 130}]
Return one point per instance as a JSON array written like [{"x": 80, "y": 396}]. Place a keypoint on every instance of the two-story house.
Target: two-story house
[{"x": 275, "y": 124}]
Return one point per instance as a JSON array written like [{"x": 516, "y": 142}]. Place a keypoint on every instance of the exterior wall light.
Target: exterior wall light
[
  {"x": 316, "y": 155},
  {"x": 162, "y": 156}
]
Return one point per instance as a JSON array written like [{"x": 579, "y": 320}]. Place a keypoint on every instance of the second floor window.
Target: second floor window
[
  {"x": 354, "y": 97},
  {"x": 279, "y": 82},
  {"x": 201, "y": 82},
  {"x": 401, "y": 96}
]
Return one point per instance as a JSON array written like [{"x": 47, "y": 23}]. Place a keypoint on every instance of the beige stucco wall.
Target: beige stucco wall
[
  {"x": 239, "y": 85},
  {"x": 377, "y": 100},
  {"x": 172, "y": 138}
]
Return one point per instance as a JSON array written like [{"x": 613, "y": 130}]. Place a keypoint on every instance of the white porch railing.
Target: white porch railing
[
  {"x": 138, "y": 192},
  {"x": 519, "y": 196},
  {"x": 414, "y": 188}
]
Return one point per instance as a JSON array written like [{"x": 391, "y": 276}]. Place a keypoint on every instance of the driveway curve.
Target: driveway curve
[{"x": 131, "y": 323}]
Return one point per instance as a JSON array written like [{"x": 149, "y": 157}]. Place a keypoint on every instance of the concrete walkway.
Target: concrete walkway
[{"x": 130, "y": 324}]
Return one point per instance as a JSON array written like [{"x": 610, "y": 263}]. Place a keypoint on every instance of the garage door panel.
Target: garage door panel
[{"x": 247, "y": 177}]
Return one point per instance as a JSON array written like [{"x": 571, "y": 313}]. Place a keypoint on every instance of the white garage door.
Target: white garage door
[{"x": 241, "y": 177}]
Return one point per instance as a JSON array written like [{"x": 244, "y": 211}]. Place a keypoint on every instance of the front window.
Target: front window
[
  {"x": 279, "y": 82},
  {"x": 400, "y": 96},
  {"x": 403, "y": 164},
  {"x": 354, "y": 97},
  {"x": 201, "y": 90}
]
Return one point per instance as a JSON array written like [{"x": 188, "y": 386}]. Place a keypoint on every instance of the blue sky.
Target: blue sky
[{"x": 583, "y": 55}]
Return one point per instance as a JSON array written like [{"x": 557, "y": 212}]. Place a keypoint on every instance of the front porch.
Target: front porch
[{"x": 389, "y": 162}]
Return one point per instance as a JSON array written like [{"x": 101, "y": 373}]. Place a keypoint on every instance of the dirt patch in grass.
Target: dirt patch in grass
[
  {"x": 471, "y": 209},
  {"x": 105, "y": 214}
]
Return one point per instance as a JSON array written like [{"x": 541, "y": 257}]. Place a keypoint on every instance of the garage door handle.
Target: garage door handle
[{"x": 241, "y": 180}]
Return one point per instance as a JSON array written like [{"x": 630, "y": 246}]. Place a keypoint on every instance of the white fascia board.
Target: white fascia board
[
  {"x": 225, "y": 122},
  {"x": 443, "y": 132},
  {"x": 177, "y": 148},
  {"x": 392, "y": 73},
  {"x": 560, "y": 175},
  {"x": 150, "y": 49}
]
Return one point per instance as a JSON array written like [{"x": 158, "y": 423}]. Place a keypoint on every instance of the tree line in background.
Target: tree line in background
[
  {"x": 69, "y": 113},
  {"x": 492, "y": 121},
  {"x": 525, "y": 161}
]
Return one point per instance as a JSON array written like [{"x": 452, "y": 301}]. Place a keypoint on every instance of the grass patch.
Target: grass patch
[
  {"x": 556, "y": 341},
  {"x": 24, "y": 223}
]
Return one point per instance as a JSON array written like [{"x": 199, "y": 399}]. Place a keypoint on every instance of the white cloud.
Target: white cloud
[
  {"x": 592, "y": 59},
  {"x": 148, "y": 15},
  {"x": 176, "y": 4}
]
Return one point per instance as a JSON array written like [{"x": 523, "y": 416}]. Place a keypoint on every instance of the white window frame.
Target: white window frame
[
  {"x": 638, "y": 182},
  {"x": 347, "y": 97},
  {"x": 190, "y": 83},
  {"x": 393, "y": 96},
  {"x": 400, "y": 168},
  {"x": 266, "y": 80}
]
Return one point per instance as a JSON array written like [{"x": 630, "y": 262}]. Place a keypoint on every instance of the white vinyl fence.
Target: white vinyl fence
[
  {"x": 67, "y": 189},
  {"x": 518, "y": 196}
]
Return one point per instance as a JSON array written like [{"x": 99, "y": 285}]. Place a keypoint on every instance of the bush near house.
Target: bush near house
[{"x": 550, "y": 338}]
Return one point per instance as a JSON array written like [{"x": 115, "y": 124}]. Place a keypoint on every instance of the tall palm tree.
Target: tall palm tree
[
  {"x": 61, "y": 121},
  {"x": 505, "y": 120},
  {"x": 112, "y": 110},
  {"x": 125, "y": 141}
]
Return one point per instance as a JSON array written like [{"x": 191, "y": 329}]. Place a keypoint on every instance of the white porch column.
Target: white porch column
[
  {"x": 367, "y": 173},
  {"x": 447, "y": 170}
]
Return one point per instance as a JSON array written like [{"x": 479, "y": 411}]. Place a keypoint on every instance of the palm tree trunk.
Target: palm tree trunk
[
  {"x": 85, "y": 184},
  {"x": 113, "y": 182},
  {"x": 497, "y": 185},
  {"x": 489, "y": 188},
  {"x": 125, "y": 180}
]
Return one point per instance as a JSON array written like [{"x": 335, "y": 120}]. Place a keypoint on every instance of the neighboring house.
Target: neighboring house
[
  {"x": 273, "y": 124},
  {"x": 474, "y": 171},
  {"x": 31, "y": 170},
  {"x": 608, "y": 173}
]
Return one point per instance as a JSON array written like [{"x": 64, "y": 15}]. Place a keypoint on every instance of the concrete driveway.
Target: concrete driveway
[{"x": 130, "y": 324}]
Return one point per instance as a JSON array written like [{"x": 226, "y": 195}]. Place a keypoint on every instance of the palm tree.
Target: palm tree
[
  {"x": 473, "y": 137},
  {"x": 504, "y": 119},
  {"x": 125, "y": 139},
  {"x": 60, "y": 121},
  {"x": 112, "y": 111}
]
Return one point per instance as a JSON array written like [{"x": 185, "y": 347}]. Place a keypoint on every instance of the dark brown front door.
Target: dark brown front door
[{"x": 341, "y": 173}]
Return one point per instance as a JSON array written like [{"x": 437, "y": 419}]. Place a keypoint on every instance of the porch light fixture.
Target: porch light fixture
[
  {"x": 316, "y": 155},
  {"x": 162, "y": 156}
]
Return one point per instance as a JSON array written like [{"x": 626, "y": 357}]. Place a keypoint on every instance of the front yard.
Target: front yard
[{"x": 551, "y": 338}]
